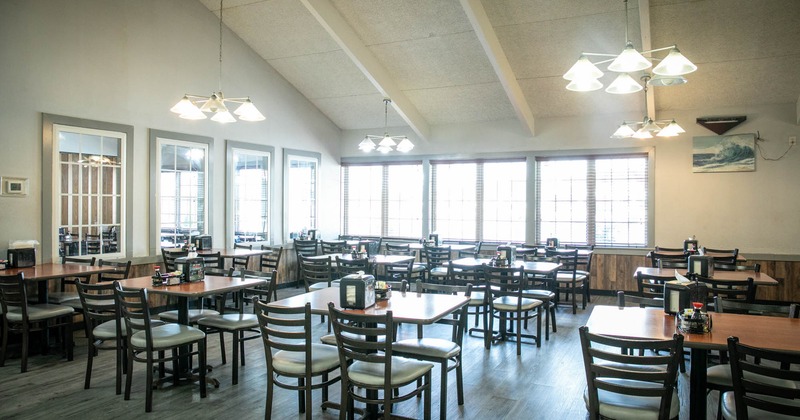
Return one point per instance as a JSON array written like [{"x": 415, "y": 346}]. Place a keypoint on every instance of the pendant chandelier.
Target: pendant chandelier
[
  {"x": 584, "y": 74},
  {"x": 194, "y": 107},
  {"x": 648, "y": 127},
  {"x": 386, "y": 143}
]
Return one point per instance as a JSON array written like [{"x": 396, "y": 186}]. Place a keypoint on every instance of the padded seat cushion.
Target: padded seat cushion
[
  {"x": 330, "y": 339},
  {"x": 230, "y": 321},
  {"x": 624, "y": 407},
  {"x": 729, "y": 408},
  {"x": 539, "y": 294},
  {"x": 509, "y": 303},
  {"x": 403, "y": 371},
  {"x": 438, "y": 271},
  {"x": 562, "y": 277},
  {"x": 194, "y": 315},
  {"x": 61, "y": 297},
  {"x": 428, "y": 347},
  {"x": 323, "y": 358},
  {"x": 168, "y": 335},
  {"x": 418, "y": 267},
  {"x": 108, "y": 329},
  {"x": 720, "y": 375},
  {"x": 39, "y": 312}
]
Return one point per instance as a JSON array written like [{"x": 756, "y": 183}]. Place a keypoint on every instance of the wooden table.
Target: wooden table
[
  {"x": 41, "y": 273},
  {"x": 759, "y": 279},
  {"x": 542, "y": 251},
  {"x": 211, "y": 285},
  {"x": 453, "y": 247},
  {"x": 652, "y": 323},
  {"x": 530, "y": 267},
  {"x": 409, "y": 307}
]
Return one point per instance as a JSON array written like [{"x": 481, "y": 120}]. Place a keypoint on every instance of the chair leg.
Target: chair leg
[
  {"x": 90, "y": 357},
  {"x": 539, "y": 326},
  {"x": 324, "y": 390},
  {"x": 488, "y": 326},
  {"x": 307, "y": 391},
  {"x": 235, "y": 347},
  {"x": 241, "y": 348},
  {"x": 427, "y": 403},
  {"x": 119, "y": 362},
  {"x": 459, "y": 380},
  {"x": 202, "y": 366},
  {"x": 222, "y": 348},
  {"x": 268, "y": 407},
  {"x": 519, "y": 334},
  {"x": 25, "y": 341},
  {"x": 148, "y": 386},
  {"x": 301, "y": 395},
  {"x": 553, "y": 316},
  {"x": 129, "y": 375},
  {"x": 5, "y": 344},
  {"x": 443, "y": 392}
]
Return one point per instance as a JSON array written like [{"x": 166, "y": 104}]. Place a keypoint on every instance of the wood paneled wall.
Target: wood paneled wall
[{"x": 612, "y": 272}]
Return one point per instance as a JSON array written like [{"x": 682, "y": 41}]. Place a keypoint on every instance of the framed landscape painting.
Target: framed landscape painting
[{"x": 733, "y": 153}]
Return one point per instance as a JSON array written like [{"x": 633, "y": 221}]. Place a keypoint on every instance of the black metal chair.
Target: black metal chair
[
  {"x": 507, "y": 302},
  {"x": 103, "y": 326}
]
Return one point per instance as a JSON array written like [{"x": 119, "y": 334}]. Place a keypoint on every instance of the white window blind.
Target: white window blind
[{"x": 600, "y": 200}]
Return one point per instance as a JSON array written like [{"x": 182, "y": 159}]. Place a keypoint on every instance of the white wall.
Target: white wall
[
  {"x": 758, "y": 212},
  {"x": 128, "y": 62}
]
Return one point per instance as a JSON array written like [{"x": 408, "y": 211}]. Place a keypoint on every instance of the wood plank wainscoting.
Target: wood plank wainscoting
[{"x": 613, "y": 272}]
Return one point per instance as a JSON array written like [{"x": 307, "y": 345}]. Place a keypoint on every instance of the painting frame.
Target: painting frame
[{"x": 728, "y": 153}]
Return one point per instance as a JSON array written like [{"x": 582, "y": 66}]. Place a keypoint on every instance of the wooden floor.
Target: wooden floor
[{"x": 542, "y": 383}]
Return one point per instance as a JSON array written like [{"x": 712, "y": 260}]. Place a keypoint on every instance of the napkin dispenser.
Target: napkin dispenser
[
  {"x": 702, "y": 265},
  {"x": 679, "y": 294},
  {"x": 202, "y": 242},
  {"x": 21, "y": 257},
  {"x": 551, "y": 243},
  {"x": 434, "y": 237},
  {"x": 507, "y": 254},
  {"x": 192, "y": 269},
  {"x": 357, "y": 291}
]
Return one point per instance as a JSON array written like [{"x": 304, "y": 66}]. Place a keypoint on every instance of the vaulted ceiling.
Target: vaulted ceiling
[{"x": 459, "y": 61}]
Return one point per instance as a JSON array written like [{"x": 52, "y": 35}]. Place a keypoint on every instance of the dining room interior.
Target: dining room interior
[{"x": 574, "y": 149}]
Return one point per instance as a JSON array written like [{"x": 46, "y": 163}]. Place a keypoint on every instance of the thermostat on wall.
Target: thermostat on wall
[{"x": 13, "y": 187}]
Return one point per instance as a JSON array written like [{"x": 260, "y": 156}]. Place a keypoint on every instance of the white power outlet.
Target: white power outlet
[{"x": 792, "y": 140}]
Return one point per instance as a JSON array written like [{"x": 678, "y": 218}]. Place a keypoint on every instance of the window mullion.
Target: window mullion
[
  {"x": 591, "y": 201},
  {"x": 479, "y": 201}
]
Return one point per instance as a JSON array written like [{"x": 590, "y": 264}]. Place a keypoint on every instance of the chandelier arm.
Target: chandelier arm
[
  {"x": 659, "y": 49},
  {"x": 599, "y": 54}
]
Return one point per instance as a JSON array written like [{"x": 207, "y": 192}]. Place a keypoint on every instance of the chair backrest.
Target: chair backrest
[
  {"x": 624, "y": 299},
  {"x": 606, "y": 369},
  {"x": 134, "y": 309},
  {"x": 285, "y": 329},
  {"x": 436, "y": 256},
  {"x": 78, "y": 260},
  {"x": 122, "y": 273},
  {"x": 315, "y": 270},
  {"x": 305, "y": 248},
  {"x": 212, "y": 260},
  {"x": 568, "y": 258},
  {"x": 722, "y": 256},
  {"x": 755, "y": 267},
  {"x": 272, "y": 260},
  {"x": 13, "y": 294},
  {"x": 462, "y": 274},
  {"x": 504, "y": 281},
  {"x": 347, "y": 266},
  {"x": 266, "y": 293},
  {"x": 99, "y": 304},
  {"x": 774, "y": 391},
  {"x": 241, "y": 262},
  {"x": 365, "y": 338},
  {"x": 584, "y": 260},
  {"x": 665, "y": 249},
  {"x": 93, "y": 243},
  {"x": 739, "y": 307},
  {"x": 333, "y": 247},
  {"x": 729, "y": 289},
  {"x": 470, "y": 253},
  {"x": 659, "y": 260},
  {"x": 397, "y": 249},
  {"x": 649, "y": 286},
  {"x": 400, "y": 271},
  {"x": 458, "y": 320},
  {"x": 169, "y": 256}
]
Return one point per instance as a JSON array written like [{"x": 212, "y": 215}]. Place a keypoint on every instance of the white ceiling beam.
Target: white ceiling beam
[
  {"x": 344, "y": 35},
  {"x": 647, "y": 44},
  {"x": 494, "y": 51}
]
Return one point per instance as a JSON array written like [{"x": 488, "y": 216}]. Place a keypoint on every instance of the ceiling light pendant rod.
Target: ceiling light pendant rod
[{"x": 220, "y": 46}]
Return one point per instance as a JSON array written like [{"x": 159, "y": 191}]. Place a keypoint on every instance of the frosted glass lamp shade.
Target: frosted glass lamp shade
[
  {"x": 384, "y": 149},
  {"x": 623, "y": 131},
  {"x": 586, "y": 84},
  {"x": 642, "y": 134},
  {"x": 405, "y": 145},
  {"x": 666, "y": 81},
  {"x": 184, "y": 106},
  {"x": 248, "y": 112},
  {"x": 623, "y": 84},
  {"x": 223, "y": 117},
  {"x": 193, "y": 114},
  {"x": 629, "y": 61},
  {"x": 387, "y": 142},
  {"x": 583, "y": 68},
  {"x": 366, "y": 145},
  {"x": 651, "y": 126},
  {"x": 674, "y": 64}
]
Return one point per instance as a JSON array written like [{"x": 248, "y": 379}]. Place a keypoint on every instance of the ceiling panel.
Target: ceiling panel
[
  {"x": 358, "y": 112},
  {"x": 456, "y": 104},
  {"x": 324, "y": 75}
]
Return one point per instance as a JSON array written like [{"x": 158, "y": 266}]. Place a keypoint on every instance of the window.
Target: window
[
  {"x": 301, "y": 178},
  {"x": 483, "y": 200},
  {"x": 85, "y": 205},
  {"x": 600, "y": 200},
  {"x": 249, "y": 169},
  {"x": 181, "y": 174},
  {"x": 382, "y": 199}
]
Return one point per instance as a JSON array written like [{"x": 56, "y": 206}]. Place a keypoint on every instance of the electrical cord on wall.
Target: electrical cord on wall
[{"x": 761, "y": 151}]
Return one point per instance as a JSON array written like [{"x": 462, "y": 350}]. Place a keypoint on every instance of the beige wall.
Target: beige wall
[{"x": 128, "y": 62}]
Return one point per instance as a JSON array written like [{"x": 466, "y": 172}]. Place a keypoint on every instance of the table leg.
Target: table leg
[{"x": 697, "y": 384}]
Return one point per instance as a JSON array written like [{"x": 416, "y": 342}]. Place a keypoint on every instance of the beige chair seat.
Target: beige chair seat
[
  {"x": 509, "y": 303},
  {"x": 729, "y": 408},
  {"x": 78, "y": 306},
  {"x": 167, "y": 335},
  {"x": 439, "y": 271},
  {"x": 61, "y": 297},
  {"x": 39, "y": 312},
  {"x": 403, "y": 371},
  {"x": 418, "y": 267},
  {"x": 108, "y": 329},
  {"x": 230, "y": 321},
  {"x": 721, "y": 375},
  {"x": 628, "y": 407},
  {"x": 539, "y": 294},
  {"x": 323, "y": 358},
  {"x": 428, "y": 347},
  {"x": 567, "y": 277},
  {"x": 194, "y": 315},
  {"x": 330, "y": 339}
]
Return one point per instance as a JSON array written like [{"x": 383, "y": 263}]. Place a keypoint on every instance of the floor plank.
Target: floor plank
[{"x": 542, "y": 383}]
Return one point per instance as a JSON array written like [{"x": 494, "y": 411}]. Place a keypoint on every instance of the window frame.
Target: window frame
[
  {"x": 231, "y": 147},
  {"x": 288, "y": 155},
  {"x": 49, "y": 188},
  {"x": 649, "y": 152},
  {"x": 155, "y": 181}
]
